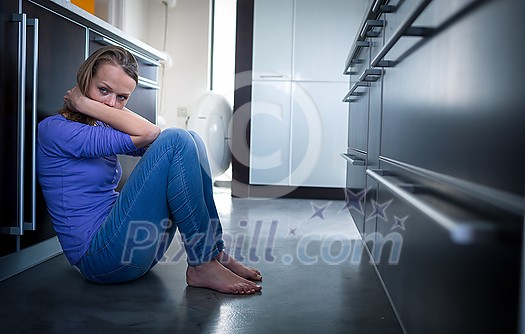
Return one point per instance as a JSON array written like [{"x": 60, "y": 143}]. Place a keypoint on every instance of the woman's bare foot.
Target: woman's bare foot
[
  {"x": 214, "y": 275},
  {"x": 240, "y": 269}
]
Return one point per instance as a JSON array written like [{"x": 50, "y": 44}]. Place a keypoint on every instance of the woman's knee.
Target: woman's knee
[
  {"x": 179, "y": 136},
  {"x": 196, "y": 137},
  {"x": 174, "y": 133}
]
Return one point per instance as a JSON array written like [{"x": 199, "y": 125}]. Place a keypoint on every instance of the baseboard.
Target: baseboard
[
  {"x": 29, "y": 257},
  {"x": 271, "y": 191}
]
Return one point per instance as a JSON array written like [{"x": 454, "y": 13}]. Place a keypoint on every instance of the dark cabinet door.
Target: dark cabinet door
[
  {"x": 454, "y": 101},
  {"x": 33, "y": 84},
  {"x": 10, "y": 123},
  {"x": 459, "y": 277},
  {"x": 359, "y": 104},
  {"x": 60, "y": 50}
]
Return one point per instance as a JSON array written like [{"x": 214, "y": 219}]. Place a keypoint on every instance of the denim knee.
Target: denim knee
[
  {"x": 176, "y": 134},
  {"x": 177, "y": 137},
  {"x": 195, "y": 136}
]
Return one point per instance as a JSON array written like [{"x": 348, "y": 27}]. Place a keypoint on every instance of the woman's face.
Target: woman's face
[{"x": 111, "y": 85}]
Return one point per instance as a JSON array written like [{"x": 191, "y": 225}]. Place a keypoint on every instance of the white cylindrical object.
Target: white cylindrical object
[{"x": 211, "y": 120}]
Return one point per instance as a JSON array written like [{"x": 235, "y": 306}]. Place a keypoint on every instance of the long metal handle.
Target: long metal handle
[
  {"x": 22, "y": 39},
  {"x": 401, "y": 30},
  {"x": 461, "y": 232},
  {"x": 271, "y": 76},
  {"x": 371, "y": 74},
  {"x": 352, "y": 160},
  {"x": 31, "y": 225},
  {"x": 107, "y": 41}
]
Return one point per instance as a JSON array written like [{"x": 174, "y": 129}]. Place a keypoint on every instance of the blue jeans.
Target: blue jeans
[{"x": 169, "y": 189}]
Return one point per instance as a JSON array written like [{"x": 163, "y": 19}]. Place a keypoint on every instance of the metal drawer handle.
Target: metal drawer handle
[
  {"x": 271, "y": 76},
  {"x": 403, "y": 30},
  {"x": 380, "y": 6},
  {"x": 371, "y": 74},
  {"x": 351, "y": 59},
  {"x": 146, "y": 83},
  {"x": 353, "y": 160},
  {"x": 23, "y": 23},
  {"x": 352, "y": 91},
  {"x": 368, "y": 28},
  {"x": 22, "y": 58},
  {"x": 371, "y": 21},
  {"x": 31, "y": 225},
  {"x": 461, "y": 232}
]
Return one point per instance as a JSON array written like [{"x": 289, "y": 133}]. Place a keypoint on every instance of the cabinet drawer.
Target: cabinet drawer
[
  {"x": 148, "y": 68},
  {"x": 272, "y": 40},
  {"x": 319, "y": 49},
  {"x": 460, "y": 284},
  {"x": 444, "y": 108},
  {"x": 355, "y": 169},
  {"x": 319, "y": 132},
  {"x": 270, "y": 140},
  {"x": 358, "y": 120},
  {"x": 143, "y": 101}
]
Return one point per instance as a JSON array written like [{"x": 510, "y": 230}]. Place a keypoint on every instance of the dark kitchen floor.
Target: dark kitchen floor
[{"x": 302, "y": 247}]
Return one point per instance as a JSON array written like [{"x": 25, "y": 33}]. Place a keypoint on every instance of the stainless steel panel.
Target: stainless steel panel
[
  {"x": 438, "y": 285},
  {"x": 444, "y": 106}
]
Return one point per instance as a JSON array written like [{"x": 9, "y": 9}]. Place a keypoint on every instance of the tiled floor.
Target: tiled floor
[{"x": 313, "y": 283}]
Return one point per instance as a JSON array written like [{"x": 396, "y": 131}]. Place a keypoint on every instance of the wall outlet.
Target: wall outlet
[{"x": 182, "y": 112}]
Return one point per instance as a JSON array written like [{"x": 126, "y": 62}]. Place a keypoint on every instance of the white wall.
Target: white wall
[
  {"x": 184, "y": 79},
  {"x": 135, "y": 19},
  {"x": 187, "y": 43}
]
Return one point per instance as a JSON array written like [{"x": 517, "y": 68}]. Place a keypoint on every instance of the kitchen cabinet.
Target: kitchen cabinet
[
  {"x": 456, "y": 104},
  {"x": 35, "y": 54},
  {"x": 320, "y": 46},
  {"x": 272, "y": 40},
  {"x": 364, "y": 116},
  {"x": 294, "y": 158},
  {"x": 271, "y": 113},
  {"x": 448, "y": 264},
  {"x": 44, "y": 44},
  {"x": 441, "y": 222},
  {"x": 287, "y": 47},
  {"x": 318, "y": 130}
]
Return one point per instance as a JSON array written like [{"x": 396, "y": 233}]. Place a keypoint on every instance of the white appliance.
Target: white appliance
[{"x": 211, "y": 120}]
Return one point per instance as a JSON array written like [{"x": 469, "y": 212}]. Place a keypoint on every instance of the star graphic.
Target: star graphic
[
  {"x": 379, "y": 210},
  {"x": 354, "y": 201},
  {"x": 318, "y": 210},
  {"x": 399, "y": 223}
]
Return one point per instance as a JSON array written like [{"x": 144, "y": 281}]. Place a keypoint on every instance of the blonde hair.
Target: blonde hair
[{"x": 110, "y": 54}]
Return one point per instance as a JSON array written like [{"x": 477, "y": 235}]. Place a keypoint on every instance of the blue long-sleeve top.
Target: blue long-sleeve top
[{"x": 78, "y": 172}]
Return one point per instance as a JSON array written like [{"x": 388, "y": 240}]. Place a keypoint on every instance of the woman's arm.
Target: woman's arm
[{"x": 141, "y": 131}]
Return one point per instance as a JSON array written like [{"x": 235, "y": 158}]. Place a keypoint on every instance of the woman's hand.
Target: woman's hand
[{"x": 74, "y": 99}]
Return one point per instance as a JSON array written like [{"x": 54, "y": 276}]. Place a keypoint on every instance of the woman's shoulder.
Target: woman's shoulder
[
  {"x": 51, "y": 121},
  {"x": 56, "y": 126},
  {"x": 56, "y": 122}
]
